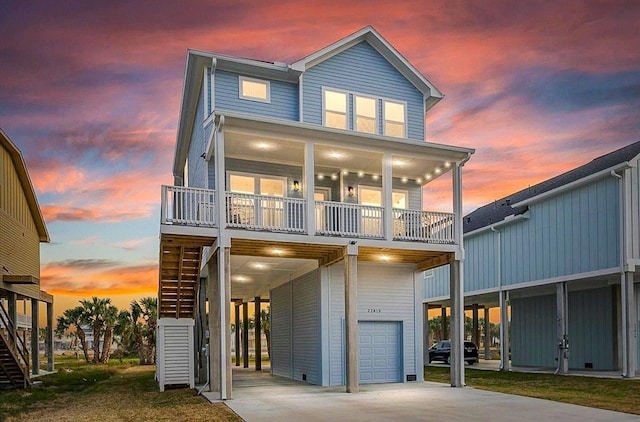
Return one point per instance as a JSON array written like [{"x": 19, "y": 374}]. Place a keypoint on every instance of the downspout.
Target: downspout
[
  {"x": 623, "y": 290},
  {"x": 503, "y": 326}
]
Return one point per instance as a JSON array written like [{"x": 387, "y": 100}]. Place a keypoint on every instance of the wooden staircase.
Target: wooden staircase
[
  {"x": 180, "y": 260},
  {"x": 14, "y": 358}
]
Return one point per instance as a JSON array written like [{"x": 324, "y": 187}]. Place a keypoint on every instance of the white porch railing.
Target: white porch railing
[
  {"x": 425, "y": 226},
  {"x": 188, "y": 206},
  {"x": 353, "y": 220},
  {"x": 262, "y": 212},
  {"x": 196, "y": 207}
]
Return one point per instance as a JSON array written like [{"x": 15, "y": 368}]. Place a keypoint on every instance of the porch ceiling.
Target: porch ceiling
[{"x": 332, "y": 159}]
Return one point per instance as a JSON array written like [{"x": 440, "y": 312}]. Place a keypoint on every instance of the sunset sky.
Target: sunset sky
[{"x": 90, "y": 92}]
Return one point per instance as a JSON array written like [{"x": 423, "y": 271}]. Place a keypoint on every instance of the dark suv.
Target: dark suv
[{"x": 441, "y": 351}]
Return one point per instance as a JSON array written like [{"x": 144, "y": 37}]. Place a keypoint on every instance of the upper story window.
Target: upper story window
[
  {"x": 254, "y": 89},
  {"x": 366, "y": 114},
  {"x": 335, "y": 109},
  {"x": 394, "y": 119}
]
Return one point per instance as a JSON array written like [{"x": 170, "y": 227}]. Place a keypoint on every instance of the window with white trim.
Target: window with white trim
[
  {"x": 394, "y": 119},
  {"x": 335, "y": 109},
  {"x": 366, "y": 114},
  {"x": 254, "y": 89}
]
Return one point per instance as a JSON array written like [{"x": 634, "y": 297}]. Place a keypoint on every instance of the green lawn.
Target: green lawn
[
  {"x": 121, "y": 391},
  {"x": 622, "y": 395}
]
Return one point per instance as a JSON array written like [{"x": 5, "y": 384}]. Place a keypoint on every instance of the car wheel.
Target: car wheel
[{"x": 472, "y": 362}]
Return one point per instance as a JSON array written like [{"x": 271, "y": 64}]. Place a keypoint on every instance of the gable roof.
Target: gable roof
[
  {"x": 27, "y": 186},
  {"x": 517, "y": 203},
  {"x": 393, "y": 56}
]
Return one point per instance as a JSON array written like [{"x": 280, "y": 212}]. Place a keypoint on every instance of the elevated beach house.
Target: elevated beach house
[
  {"x": 22, "y": 229},
  {"x": 561, "y": 260},
  {"x": 307, "y": 186}
]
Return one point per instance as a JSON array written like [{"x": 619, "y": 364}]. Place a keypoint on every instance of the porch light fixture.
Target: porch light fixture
[
  {"x": 385, "y": 257},
  {"x": 447, "y": 164},
  {"x": 277, "y": 251},
  {"x": 259, "y": 265},
  {"x": 437, "y": 170},
  {"x": 350, "y": 191},
  {"x": 296, "y": 186},
  {"x": 428, "y": 176},
  {"x": 345, "y": 172},
  {"x": 374, "y": 177},
  {"x": 240, "y": 278},
  {"x": 334, "y": 176},
  {"x": 404, "y": 180},
  {"x": 418, "y": 180},
  {"x": 361, "y": 173},
  {"x": 320, "y": 176}
]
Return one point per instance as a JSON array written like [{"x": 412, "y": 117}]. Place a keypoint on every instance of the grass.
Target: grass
[
  {"x": 122, "y": 391},
  {"x": 622, "y": 395}
]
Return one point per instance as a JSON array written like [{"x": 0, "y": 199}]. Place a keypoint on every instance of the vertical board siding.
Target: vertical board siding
[
  {"x": 438, "y": 285},
  {"x": 19, "y": 239},
  {"x": 637, "y": 286},
  {"x": 306, "y": 328},
  {"x": 284, "y": 97},
  {"x": 295, "y": 329},
  {"x": 281, "y": 330},
  {"x": 385, "y": 293},
  {"x": 197, "y": 167},
  {"x": 590, "y": 329},
  {"x": 533, "y": 331},
  {"x": 634, "y": 206},
  {"x": 361, "y": 69},
  {"x": 571, "y": 233}
]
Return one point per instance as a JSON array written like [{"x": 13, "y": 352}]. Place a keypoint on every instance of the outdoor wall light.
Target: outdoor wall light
[
  {"x": 404, "y": 180},
  {"x": 350, "y": 191},
  {"x": 296, "y": 186},
  {"x": 361, "y": 173}
]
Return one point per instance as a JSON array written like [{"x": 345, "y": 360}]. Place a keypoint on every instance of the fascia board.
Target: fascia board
[{"x": 573, "y": 185}]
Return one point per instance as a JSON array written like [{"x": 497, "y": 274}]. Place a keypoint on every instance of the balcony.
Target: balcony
[{"x": 195, "y": 207}]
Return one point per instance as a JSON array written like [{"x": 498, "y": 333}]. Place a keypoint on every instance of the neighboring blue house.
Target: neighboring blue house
[
  {"x": 303, "y": 185},
  {"x": 564, "y": 255}
]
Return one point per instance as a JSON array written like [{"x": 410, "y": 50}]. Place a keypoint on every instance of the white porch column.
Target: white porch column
[
  {"x": 504, "y": 331},
  {"x": 561, "y": 328},
  {"x": 629, "y": 326},
  {"x": 49, "y": 339},
  {"x": 220, "y": 172},
  {"x": 309, "y": 187},
  {"x": 351, "y": 318},
  {"x": 35, "y": 367},
  {"x": 457, "y": 324},
  {"x": 258, "y": 334},
  {"x": 387, "y": 193}
]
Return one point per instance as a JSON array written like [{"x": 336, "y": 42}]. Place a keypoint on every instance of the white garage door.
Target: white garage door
[{"x": 380, "y": 351}]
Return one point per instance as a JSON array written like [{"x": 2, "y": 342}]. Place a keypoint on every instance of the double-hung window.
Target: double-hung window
[
  {"x": 335, "y": 109},
  {"x": 366, "y": 116},
  {"x": 254, "y": 89},
  {"x": 394, "y": 119}
]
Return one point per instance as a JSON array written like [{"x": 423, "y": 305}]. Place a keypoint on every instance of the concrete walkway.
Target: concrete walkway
[{"x": 259, "y": 396}]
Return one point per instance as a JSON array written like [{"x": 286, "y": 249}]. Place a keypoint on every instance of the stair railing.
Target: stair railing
[{"x": 16, "y": 344}]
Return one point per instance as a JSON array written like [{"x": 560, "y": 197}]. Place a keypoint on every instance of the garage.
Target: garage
[{"x": 380, "y": 351}]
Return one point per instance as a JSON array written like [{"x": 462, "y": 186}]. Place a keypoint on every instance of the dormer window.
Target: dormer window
[
  {"x": 394, "y": 119},
  {"x": 366, "y": 116},
  {"x": 335, "y": 109},
  {"x": 254, "y": 89}
]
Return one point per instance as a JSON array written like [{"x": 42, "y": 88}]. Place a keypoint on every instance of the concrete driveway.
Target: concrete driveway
[{"x": 265, "y": 397}]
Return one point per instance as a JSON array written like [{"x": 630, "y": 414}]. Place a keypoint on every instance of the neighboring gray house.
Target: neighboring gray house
[
  {"x": 565, "y": 256},
  {"x": 305, "y": 185}
]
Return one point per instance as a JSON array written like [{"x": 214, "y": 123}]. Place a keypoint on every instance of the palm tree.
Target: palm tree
[
  {"x": 95, "y": 310},
  {"x": 110, "y": 319},
  {"x": 265, "y": 323},
  {"x": 149, "y": 306},
  {"x": 74, "y": 318}
]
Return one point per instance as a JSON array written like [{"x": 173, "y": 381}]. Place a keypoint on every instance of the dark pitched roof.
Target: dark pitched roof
[{"x": 502, "y": 208}]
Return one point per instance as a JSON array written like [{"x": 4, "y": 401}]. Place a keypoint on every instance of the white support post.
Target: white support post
[
  {"x": 487, "y": 334},
  {"x": 418, "y": 282},
  {"x": 504, "y": 331},
  {"x": 351, "y": 318},
  {"x": 457, "y": 324},
  {"x": 35, "y": 366},
  {"x": 224, "y": 255},
  {"x": 309, "y": 187},
  {"x": 220, "y": 172},
  {"x": 629, "y": 326},
  {"x": 49, "y": 340},
  {"x": 213, "y": 292},
  {"x": 561, "y": 328},
  {"x": 387, "y": 190}
]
